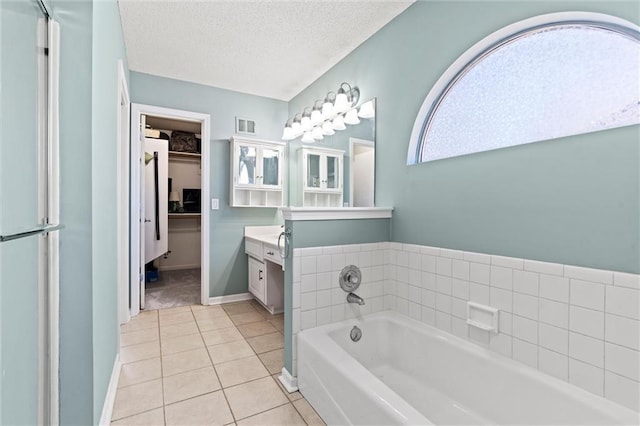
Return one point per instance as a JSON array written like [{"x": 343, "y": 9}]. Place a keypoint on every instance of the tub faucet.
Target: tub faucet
[{"x": 354, "y": 298}]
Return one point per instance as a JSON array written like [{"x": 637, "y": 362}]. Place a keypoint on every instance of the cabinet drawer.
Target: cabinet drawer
[
  {"x": 271, "y": 254},
  {"x": 253, "y": 248}
]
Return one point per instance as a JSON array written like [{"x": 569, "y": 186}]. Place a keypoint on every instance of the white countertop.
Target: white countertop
[{"x": 264, "y": 234}]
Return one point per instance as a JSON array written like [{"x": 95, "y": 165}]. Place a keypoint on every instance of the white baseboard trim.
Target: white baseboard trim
[
  {"x": 178, "y": 267},
  {"x": 289, "y": 382},
  {"x": 110, "y": 397},
  {"x": 230, "y": 298}
]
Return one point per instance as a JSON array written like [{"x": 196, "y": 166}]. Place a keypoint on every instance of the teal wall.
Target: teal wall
[
  {"x": 574, "y": 200},
  {"x": 228, "y": 263},
  {"x": 76, "y": 317},
  {"x": 108, "y": 49}
]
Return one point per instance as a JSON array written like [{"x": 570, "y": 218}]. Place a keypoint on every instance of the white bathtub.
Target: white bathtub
[{"x": 407, "y": 373}]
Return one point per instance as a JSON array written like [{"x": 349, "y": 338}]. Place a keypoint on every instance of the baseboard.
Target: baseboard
[
  {"x": 289, "y": 382},
  {"x": 230, "y": 298},
  {"x": 178, "y": 267},
  {"x": 110, "y": 397}
]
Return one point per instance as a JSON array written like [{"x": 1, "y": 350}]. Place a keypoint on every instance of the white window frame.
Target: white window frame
[{"x": 487, "y": 45}]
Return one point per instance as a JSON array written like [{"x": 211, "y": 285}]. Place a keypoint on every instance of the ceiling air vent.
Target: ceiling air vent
[{"x": 245, "y": 126}]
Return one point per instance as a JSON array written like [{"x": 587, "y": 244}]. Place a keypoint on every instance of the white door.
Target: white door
[{"x": 156, "y": 198}]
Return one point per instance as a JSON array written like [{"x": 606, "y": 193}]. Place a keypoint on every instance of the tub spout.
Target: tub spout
[{"x": 354, "y": 298}]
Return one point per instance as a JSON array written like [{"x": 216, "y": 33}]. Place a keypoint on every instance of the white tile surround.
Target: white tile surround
[{"x": 578, "y": 324}]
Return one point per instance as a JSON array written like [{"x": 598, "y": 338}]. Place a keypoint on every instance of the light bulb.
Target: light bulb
[
  {"x": 351, "y": 117},
  {"x": 367, "y": 110},
  {"x": 338, "y": 123},
  {"x": 307, "y": 138},
  {"x": 327, "y": 129}
]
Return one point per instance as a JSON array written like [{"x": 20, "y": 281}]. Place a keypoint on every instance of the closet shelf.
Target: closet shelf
[
  {"x": 178, "y": 154},
  {"x": 184, "y": 215}
]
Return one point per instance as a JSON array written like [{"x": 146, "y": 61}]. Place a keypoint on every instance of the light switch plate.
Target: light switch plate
[{"x": 215, "y": 204}]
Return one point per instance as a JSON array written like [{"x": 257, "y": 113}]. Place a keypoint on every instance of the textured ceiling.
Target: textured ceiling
[{"x": 266, "y": 48}]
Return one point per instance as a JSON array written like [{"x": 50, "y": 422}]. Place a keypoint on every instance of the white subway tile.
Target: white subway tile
[
  {"x": 297, "y": 252},
  {"x": 364, "y": 259},
  {"x": 308, "y": 301},
  {"x": 390, "y": 302},
  {"x": 480, "y": 273},
  {"x": 295, "y": 289},
  {"x": 377, "y": 273},
  {"x": 369, "y": 246},
  {"x": 507, "y": 262},
  {"x": 414, "y": 261},
  {"x": 351, "y": 248},
  {"x": 377, "y": 289},
  {"x": 412, "y": 248},
  {"x": 402, "y": 274},
  {"x": 414, "y": 310},
  {"x": 392, "y": 256},
  {"x": 586, "y": 376},
  {"x": 443, "y": 284},
  {"x": 308, "y": 283},
  {"x": 402, "y": 306},
  {"x": 479, "y": 337},
  {"x": 338, "y": 261},
  {"x": 433, "y": 251},
  {"x": 352, "y": 258},
  {"x": 295, "y": 320},
  {"x": 553, "y": 363},
  {"x": 326, "y": 280},
  {"x": 308, "y": 265},
  {"x": 587, "y": 294},
  {"x": 323, "y": 263},
  {"x": 479, "y": 293},
  {"x": 622, "y": 331},
  {"x": 443, "y": 266},
  {"x": 554, "y": 288},
  {"x": 525, "y": 352},
  {"x": 588, "y": 274},
  {"x": 338, "y": 296},
  {"x": 323, "y": 316},
  {"x": 525, "y": 282},
  {"x": 377, "y": 304},
  {"x": 403, "y": 259},
  {"x": 622, "y": 390},
  {"x": 428, "y": 316},
  {"x": 295, "y": 268},
  {"x": 311, "y": 251},
  {"x": 586, "y": 321},
  {"x": 476, "y": 257},
  {"x": 623, "y": 301},
  {"x": 502, "y": 277},
  {"x": 544, "y": 267},
  {"x": 337, "y": 313},
  {"x": 624, "y": 279},
  {"x": 623, "y": 361},
  {"x": 403, "y": 290},
  {"x": 329, "y": 250},
  {"x": 554, "y": 338},
  {"x": 501, "y": 299},
  {"x": 443, "y": 321},
  {"x": 386, "y": 256},
  {"x": 506, "y": 323},
  {"x": 323, "y": 298},
  {"x": 428, "y": 298},
  {"x": 452, "y": 254},
  {"x": 501, "y": 343},
  {"x": 460, "y": 269},
  {"x": 308, "y": 319},
  {"x": 443, "y": 303},
  {"x": 390, "y": 287},
  {"x": 428, "y": 263},
  {"x": 428, "y": 281},
  {"x": 415, "y": 277},
  {"x": 364, "y": 290},
  {"x": 460, "y": 288},
  {"x": 586, "y": 349},
  {"x": 414, "y": 293},
  {"x": 525, "y": 306},
  {"x": 395, "y": 246},
  {"x": 459, "y": 308},
  {"x": 459, "y": 328},
  {"x": 554, "y": 313},
  {"x": 377, "y": 258},
  {"x": 525, "y": 329}
]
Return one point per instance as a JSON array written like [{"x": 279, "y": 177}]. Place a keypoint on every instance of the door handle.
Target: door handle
[
  {"x": 147, "y": 220},
  {"x": 260, "y": 274}
]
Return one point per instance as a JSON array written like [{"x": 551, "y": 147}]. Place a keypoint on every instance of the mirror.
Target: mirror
[{"x": 357, "y": 142}]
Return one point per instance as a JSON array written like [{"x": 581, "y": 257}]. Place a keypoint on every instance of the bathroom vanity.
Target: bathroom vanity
[{"x": 266, "y": 266}]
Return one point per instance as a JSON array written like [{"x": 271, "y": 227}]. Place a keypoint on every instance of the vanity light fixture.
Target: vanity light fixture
[
  {"x": 367, "y": 110},
  {"x": 325, "y": 116}
]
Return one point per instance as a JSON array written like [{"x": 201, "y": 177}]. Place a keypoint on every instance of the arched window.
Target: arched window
[{"x": 543, "y": 78}]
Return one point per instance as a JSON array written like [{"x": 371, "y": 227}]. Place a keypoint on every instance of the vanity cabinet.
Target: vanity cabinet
[
  {"x": 322, "y": 170},
  {"x": 265, "y": 269},
  {"x": 257, "y": 173}
]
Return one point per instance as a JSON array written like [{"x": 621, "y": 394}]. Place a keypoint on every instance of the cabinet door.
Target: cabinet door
[
  {"x": 332, "y": 178},
  {"x": 257, "y": 278},
  {"x": 271, "y": 166},
  {"x": 246, "y": 157},
  {"x": 313, "y": 178}
]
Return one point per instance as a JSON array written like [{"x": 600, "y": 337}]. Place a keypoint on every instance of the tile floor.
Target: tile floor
[{"x": 206, "y": 365}]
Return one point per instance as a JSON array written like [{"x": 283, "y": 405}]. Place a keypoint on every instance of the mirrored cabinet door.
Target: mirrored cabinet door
[
  {"x": 333, "y": 169},
  {"x": 313, "y": 171},
  {"x": 246, "y": 165},
  {"x": 270, "y": 167}
]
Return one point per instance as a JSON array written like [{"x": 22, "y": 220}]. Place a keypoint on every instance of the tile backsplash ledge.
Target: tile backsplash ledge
[{"x": 578, "y": 324}]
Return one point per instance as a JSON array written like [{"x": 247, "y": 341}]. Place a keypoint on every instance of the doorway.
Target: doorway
[{"x": 189, "y": 179}]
